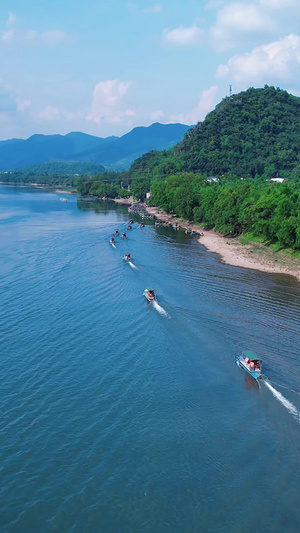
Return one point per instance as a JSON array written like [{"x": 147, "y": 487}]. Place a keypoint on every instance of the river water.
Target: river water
[{"x": 121, "y": 416}]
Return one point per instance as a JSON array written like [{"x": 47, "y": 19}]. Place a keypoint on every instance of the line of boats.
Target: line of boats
[
  {"x": 248, "y": 360},
  {"x": 149, "y": 293}
]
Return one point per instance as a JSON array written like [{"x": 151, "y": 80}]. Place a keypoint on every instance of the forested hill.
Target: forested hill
[{"x": 255, "y": 133}]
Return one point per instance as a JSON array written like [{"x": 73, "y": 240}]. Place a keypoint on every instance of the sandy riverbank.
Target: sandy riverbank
[{"x": 255, "y": 256}]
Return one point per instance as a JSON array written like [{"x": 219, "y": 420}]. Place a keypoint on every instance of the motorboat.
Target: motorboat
[
  {"x": 149, "y": 294},
  {"x": 112, "y": 240},
  {"x": 129, "y": 227},
  {"x": 142, "y": 225},
  {"x": 127, "y": 257},
  {"x": 63, "y": 199},
  {"x": 250, "y": 362},
  {"x": 124, "y": 236},
  {"x": 117, "y": 232}
]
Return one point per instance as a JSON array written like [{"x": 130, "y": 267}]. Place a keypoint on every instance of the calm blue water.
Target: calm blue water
[{"x": 118, "y": 418}]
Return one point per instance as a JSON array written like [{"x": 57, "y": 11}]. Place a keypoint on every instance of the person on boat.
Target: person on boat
[
  {"x": 124, "y": 235},
  {"x": 252, "y": 366},
  {"x": 112, "y": 240},
  {"x": 116, "y": 232}
]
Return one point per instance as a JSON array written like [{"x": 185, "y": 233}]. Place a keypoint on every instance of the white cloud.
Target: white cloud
[
  {"x": 295, "y": 92},
  {"x": 49, "y": 113},
  {"x": 239, "y": 21},
  {"x": 53, "y": 37},
  {"x": 279, "y": 4},
  {"x": 11, "y": 19},
  {"x": 31, "y": 35},
  {"x": 157, "y": 8},
  {"x": 22, "y": 105},
  {"x": 184, "y": 36},
  {"x": 108, "y": 103},
  {"x": 277, "y": 59},
  {"x": 157, "y": 115},
  {"x": 207, "y": 102},
  {"x": 213, "y": 4},
  {"x": 47, "y": 38},
  {"x": 8, "y": 35}
]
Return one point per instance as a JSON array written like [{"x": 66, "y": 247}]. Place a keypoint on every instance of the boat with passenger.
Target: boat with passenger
[
  {"x": 129, "y": 227},
  {"x": 149, "y": 294},
  {"x": 127, "y": 257},
  {"x": 250, "y": 362},
  {"x": 124, "y": 236},
  {"x": 112, "y": 240},
  {"x": 117, "y": 232}
]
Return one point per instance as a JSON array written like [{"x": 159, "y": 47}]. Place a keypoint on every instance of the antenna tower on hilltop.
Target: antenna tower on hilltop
[{"x": 230, "y": 90}]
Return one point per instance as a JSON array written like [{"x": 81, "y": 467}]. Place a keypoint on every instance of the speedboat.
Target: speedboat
[
  {"x": 142, "y": 225},
  {"x": 129, "y": 227},
  {"x": 112, "y": 240},
  {"x": 127, "y": 257},
  {"x": 250, "y": 362},
  {"x": 117, "y": 232},
  {"x": 149, "y": 294},
  {"x": 124, "y": 236}
]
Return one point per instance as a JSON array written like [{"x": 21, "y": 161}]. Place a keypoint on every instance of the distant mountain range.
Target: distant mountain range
[{"x": 114, "y": 153}]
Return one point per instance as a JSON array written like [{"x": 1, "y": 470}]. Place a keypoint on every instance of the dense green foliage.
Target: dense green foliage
[
  {"x": 232, "y": 206},
  {"x": 39, "y": 178},
  {"x": 63, "y": 168},
  {"x": 255, "y": 133},
  {"x": 105, "y": 185}
]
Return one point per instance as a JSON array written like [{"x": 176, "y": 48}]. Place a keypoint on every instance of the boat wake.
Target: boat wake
[
  {"x": 113, "y": 245},
  {"x": 132, "y": 265},
  {"x": 160, "y": 309},
  {"x": 287, "y": 404}
]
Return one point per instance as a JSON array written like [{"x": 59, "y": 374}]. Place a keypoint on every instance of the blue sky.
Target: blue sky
[{"x": 105, "y": 67}]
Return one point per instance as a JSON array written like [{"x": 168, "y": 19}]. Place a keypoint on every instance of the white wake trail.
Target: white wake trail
[
  {"x": 287, "y": 404},
  {"x": 113, "y": 245},
  {"x": 132, "y": 265},
  {"x": 160, "y": 309}
]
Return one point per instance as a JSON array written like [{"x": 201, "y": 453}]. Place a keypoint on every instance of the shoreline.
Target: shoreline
[
  {"x": 255, "y": 256},
  {"x": 53, "y": 188}
]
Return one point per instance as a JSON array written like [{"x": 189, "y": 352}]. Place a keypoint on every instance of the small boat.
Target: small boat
[
  {"x": 127, "y": 257},
  {"x": 117, "y": 232},
  {"x": 112, "y": 240},
  {"x": 142, "y": 225},
  {"x": 124, "y": 236},
  {"x": 250, "y": 362},
  {"x": 149, "y": 294},
  {"x": 63, "y": 199},
  {"x": 129, "y": 227},
  {"x": 130, "y": 221}
]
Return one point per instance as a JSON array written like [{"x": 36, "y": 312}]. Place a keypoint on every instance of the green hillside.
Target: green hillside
[
  {"x": 247, "y": 140},
  {"x": 255, "y": 133}
]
